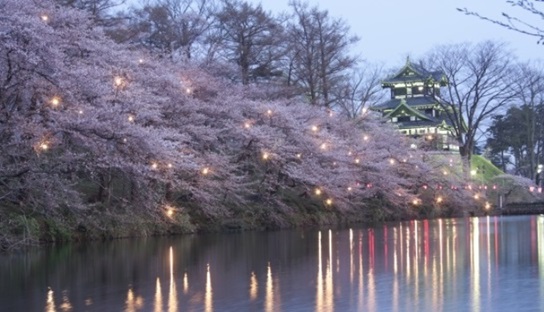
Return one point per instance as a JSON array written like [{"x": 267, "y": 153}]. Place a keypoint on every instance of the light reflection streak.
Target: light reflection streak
[
  {"x": 133, "y": 303},
  {"x": 208, "y": 295},
  {"x": 172, "y": 293},
  {"x": 319, "y": 295},
  {"x": 50, "y": 301},
  {"x": 540, "y": 242},
  {"x": 269, "y": 298},
  {"x": 371, "y": 281},
  {"x": 361, "y": 277},
  {"x": 158, "y": 296},
  {"x": 253, "y": 287},
  {"x": 351, "y": 268},
  {"x": 185, "y": 283},
  {"x": 488, "y": 236},
  {"x": 475, "y": 264}
]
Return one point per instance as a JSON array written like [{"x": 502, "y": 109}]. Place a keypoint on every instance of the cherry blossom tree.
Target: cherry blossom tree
[{"x": 95, "y": 133}]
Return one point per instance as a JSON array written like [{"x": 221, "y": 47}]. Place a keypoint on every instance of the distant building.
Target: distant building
[{"x": 414, "y": 106}]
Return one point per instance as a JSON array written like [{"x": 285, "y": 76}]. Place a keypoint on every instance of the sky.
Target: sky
[{"x": 391, "y": 30}]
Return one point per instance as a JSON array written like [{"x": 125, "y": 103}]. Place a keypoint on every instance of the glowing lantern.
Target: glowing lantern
[
  {"x": 55, "y": 101},
  {"x": 317, "y": 192},
  {"x": 439, "y": 199},
  {"x": 44, "y": 18},
  {"x": 205, "y": 170},
  {"x": 265, "y": 155},
  {"x": 314, "y": 128},
  {"x": 328, "y": 201}
]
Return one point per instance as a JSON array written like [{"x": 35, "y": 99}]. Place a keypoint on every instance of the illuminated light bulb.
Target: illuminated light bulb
[
  {"x": 140, "y": 61},
  {"x": 247, "y": 125},
  {"x": 170, "y": 165},
  {"x": 357, "y": 160},
  {"x": 269, "y": 112},
  {"x": 55, "y": 101},
  {"x": 494, "y": 187},
  {"x": 429, "y": 137},
  {"x": 445, "y": 173},
  {"x": 130, "y": 118},
  {"x": 317, "y": 192},
  {"x": 349, "y": 188},
  {"x": 124, "y": 140},
  {"x": 415, "y": 202},
  {"x": 350, "y": 153},
  {"x": 365, "y": 138},
  {"x": 154, "y": 165},
  {"x": 531, "y": 189},
  {"x": 169, "y": 211},
  {"x": 328, "y": 201},
  {"x": 424, "y": 187},
  {"x": 473, "y": 172},
  {"x": 334, "y": 163},
  {"x": 404, "y": 160},
  {"x": 299, "y": 155},
  {"x": 265, "y": 155},
  {"x": 205, "y": 170},
  {"x": 365, "y": 110},
  {"x": 439, "y": 199},
  {"x": 44, "y": 146},
  {"x": 487, "y": 206},
  {"x": 44, "y": 18},
  {"x": 323, "y": 146},
  {"x": 314, "y": 128},
  {"x": 392, "y": 161},
  {"x": 476, "y": 196},
  {"x": 188, "y": 90},
  {"x": 118, "y": 81},
  {"x": 80, "y": 112}
]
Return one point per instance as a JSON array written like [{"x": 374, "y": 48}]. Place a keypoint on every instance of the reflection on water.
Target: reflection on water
[{"x": 476, "y": 264}]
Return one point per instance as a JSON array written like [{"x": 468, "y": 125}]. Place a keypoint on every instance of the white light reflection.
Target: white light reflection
[
  {"x": 50, "y": 301},
  {"x": 66, "y": 305},
  {"x": 253, "y": 287},
  {"x": 269, "y": 297},
  {"x": 158, "y": 296},
  {"x": 475, "y": 265},
  {"x": 172, "y": 293},
  {"x": 185, "y": 283},
  {"x": 133, "y": 303},
  {"x": 540, "y": 246},
  {"x": 208, "y": 296}
]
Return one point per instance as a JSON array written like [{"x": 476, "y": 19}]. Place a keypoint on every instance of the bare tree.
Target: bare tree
[
  {"x": 250, "y": 37},
  {"x": 480, "y": 85},
  {"x": 319, "y": 52},
  {"x": 99, "y": 9},
  {"x": 360, "y": 90},
  {"x": 171, "y": 27},
  {"x": 517, "y": 23}
]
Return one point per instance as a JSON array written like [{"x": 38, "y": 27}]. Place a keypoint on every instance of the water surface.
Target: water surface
[{"x": 471, "y": 264}]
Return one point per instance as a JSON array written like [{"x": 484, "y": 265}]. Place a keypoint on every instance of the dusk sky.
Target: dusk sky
[{"x": 391, "y": 30}]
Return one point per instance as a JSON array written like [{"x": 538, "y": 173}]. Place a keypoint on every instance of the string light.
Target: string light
[
  {"x": 247, "y": 125},
  {"x": 315, "y": 128},
  {"x": 55, "y": 101},
  {"x": 188, "y": 90},
  {"x": 141, "y": 61},
  {"x": 80, "y": 112},
  {"x": 415, "y": 202},
  {"x": 357, "y": 160},
  {"x": 205, "y": 170},
  {"x": 299, "y": 155},
  {"x": 269, "y": 112},
  {"x": 124, "y": 140},
  {"x": 487, "y": 206},
  {"x": 130, "y": 118},
  {"x": 317, "y": 191},
  {"x": 392, "y": 161},
  {"x": 170, "y": 165},
  {"x": 265, "y": 155},
  {"x": 365, "y": 138},
  {"x": 350, "y": 188},
  {"x": 476, "y": 196},
  {"x": 169, "y": 211},
  {"x": 44, "y": 146},
  {"x": 439, "y": 199},
  {"x": 44, "y": 18},
  {"x": 118, "y": 81},
  {"x": 328, "y": 201},
  {"x": 323, "y": 146},
  {"x": 154, "y": 165}
]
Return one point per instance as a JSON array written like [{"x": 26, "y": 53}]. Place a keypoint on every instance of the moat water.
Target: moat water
[{"x": 470, "y": 264}]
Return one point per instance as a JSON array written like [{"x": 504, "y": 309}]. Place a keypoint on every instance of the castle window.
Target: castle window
[
  {"x": 417, "y": 90},
  {"x": 403, "y": 118},
  {"x": 399, "y": 91}
]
